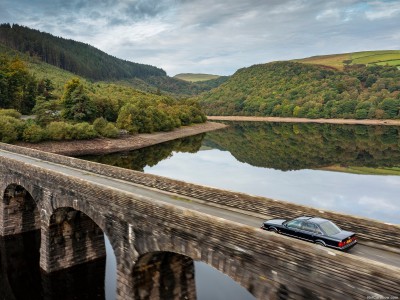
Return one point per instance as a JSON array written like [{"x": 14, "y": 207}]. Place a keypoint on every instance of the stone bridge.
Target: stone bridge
[{"x": 74, "y": 203}]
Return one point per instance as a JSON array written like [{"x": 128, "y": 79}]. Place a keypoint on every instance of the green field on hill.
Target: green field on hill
[
  {"x": 394, "y": 171},
  {"x": 192, "y": 77},
  {"x": 338, "y": 61}
]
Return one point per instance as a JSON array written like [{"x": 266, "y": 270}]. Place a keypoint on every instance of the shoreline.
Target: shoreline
[
  {"x": 304, "y": 120},
  {"x": 100, "y": 146}
]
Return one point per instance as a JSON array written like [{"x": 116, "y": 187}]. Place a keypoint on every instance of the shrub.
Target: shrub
[
  {"x": 10, "y": 112},
  {"x": 10, "y": 129},
  {"x": 99, "y": 125},
  {"x": 83, "y": 131},
  {"x": 110, "y": 131},
  {"x": 59, "y": 131},
  {"x": 33, "y": 133},
  {"x": 104, "y": 128}
]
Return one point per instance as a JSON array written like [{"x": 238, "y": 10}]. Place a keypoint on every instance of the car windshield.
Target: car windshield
[{"x": 329, "y": 228}]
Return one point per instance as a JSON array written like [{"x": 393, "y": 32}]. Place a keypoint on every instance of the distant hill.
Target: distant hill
[
  {"x": 338, "y": 61},
  {"x": 178, "y": 86},
  {"x": 195, "y": 77},
  {"x": 293, "y": 89}
]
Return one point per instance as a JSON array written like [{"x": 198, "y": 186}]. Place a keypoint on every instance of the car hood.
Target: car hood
[
  {"x": 342, "y": 235},
  {"x": 275, "y": 222}
]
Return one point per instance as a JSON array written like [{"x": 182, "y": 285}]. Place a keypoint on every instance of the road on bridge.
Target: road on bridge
[{"x": 235, "y": 215}]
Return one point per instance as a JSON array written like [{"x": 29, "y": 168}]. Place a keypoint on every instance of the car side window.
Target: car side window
[
  {"x": 307, "y": 226},
  {"x": 294, "y": 224},
  {"x": 318, "y": 230}
]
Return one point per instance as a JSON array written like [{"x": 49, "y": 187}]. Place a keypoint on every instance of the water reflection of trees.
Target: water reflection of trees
[
  {"x": 149, "y": 156},
  {"x": 293, "y": 146}
]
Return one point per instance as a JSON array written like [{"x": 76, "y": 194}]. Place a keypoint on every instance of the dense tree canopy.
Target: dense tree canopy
[
  {"x": 288, "y": 89},
  {"x": 18, "y": 89},
  {"x": 69, "y": 114},
  {"x": 77, "y": 104},
  {"x": 76, "y": 57}
]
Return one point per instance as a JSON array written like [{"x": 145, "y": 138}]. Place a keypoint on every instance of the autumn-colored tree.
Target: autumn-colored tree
[{"x": 78, "y": 106}]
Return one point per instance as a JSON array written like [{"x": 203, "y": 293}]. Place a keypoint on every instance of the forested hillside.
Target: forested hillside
[
  {"x": 179, "y": 86},
  {"x": 291, "y": 89},
  {"x": 67, "y": 107},
  {"x": 79, "y": 58}
]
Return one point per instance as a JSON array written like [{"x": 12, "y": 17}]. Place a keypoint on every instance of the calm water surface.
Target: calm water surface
[{"x": 288, "y": 162}]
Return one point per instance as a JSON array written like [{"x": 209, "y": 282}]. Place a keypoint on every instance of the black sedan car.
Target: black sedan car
[{"x": 317, "y": 230}]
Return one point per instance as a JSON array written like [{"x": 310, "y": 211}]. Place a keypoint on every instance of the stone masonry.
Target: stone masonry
[{"x": 269, "y": 266}]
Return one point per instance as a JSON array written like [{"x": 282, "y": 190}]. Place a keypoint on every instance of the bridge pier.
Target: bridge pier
[
  {"x": 71, "y": 238},
  {"x": 164, "y": 275},
  {"x": 160, "y": 275}
]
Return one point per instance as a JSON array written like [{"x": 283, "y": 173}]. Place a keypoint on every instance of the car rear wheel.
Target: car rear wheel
[{"x": 320, "y": 244}]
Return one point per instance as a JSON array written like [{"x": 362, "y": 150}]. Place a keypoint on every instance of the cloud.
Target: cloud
[
  {"x": 379, "y": 205},
  {"x": 383, "y": 10},
  {"x": 214, "y": 36},
  {"x": 329, "y": 14}
]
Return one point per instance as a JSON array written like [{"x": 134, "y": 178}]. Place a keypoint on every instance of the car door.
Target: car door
[
  {"x": 292, "y": 228},
  {"x": 307, "y": 231}
]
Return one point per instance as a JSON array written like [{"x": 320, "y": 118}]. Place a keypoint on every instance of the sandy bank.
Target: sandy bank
[
  {"x": 304, "y": 120},
  {"x": 104, "y": 145}
]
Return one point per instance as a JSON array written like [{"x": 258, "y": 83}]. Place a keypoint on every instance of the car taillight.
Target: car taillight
[{"x": 341, "y": 244}]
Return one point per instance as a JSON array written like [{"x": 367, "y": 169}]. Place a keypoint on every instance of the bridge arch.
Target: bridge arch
[
  {"x": 19, "y": 210},
  {"x": 176, "y": 253},
  {"x": 71, "y": 237}
]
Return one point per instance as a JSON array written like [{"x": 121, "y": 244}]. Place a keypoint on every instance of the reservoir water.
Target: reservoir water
[{"x": 344, "y": 168}]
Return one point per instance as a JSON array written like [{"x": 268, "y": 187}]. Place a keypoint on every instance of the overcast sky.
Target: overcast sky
[{"x": 214, "y": 36}]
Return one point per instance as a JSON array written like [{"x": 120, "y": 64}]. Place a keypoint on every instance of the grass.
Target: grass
[
  {"x": 395, "y": 62},
  {"x": 365, "y": 170},
  {"x": 382, "y": 57},
  {"x": 334, "y": 61},
  {"x": 195, "y": 77},
  {"x": 377, "y": 58}
]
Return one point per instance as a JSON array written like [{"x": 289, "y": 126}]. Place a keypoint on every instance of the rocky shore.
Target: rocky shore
[
  {"x": 125, "y": 143},
  {"x": 304, "y": 120}
]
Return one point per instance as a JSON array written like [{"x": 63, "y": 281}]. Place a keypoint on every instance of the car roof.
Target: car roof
[
  {"x": 312, "y": 219},
  {"x": 303, "y": 218},
  {"x": 318, "y": 220}
]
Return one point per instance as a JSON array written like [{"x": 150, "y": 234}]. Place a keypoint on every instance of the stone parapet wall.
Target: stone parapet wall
[{"x": 369, "y": 231}]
